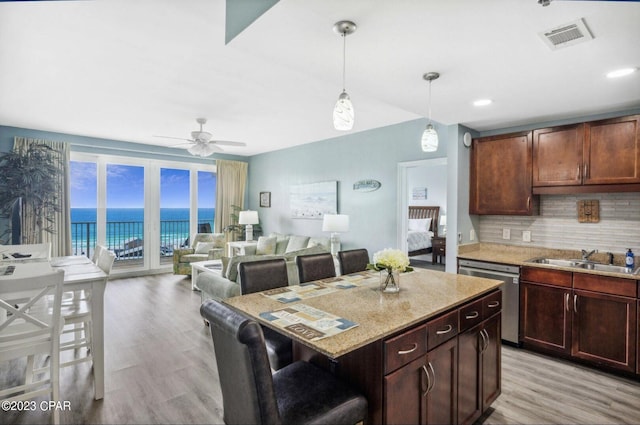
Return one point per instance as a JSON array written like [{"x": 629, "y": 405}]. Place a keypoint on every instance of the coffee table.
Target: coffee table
[{"x": 208, "y": 266}]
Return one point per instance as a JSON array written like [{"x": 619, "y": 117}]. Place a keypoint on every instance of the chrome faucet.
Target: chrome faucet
[{"x": 586, "y": 255}]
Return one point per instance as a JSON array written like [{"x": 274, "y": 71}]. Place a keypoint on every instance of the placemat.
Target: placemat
[{"x": 308, "y": 322}]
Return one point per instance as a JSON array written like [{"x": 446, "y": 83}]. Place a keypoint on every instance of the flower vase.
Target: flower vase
[{"x": 390, "y": 281}]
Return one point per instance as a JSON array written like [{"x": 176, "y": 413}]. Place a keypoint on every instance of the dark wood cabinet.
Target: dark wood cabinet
[
  {"x": 612, "y": 151},
  {"x": 557, "y": 156},
  {"x": 426, "y": 390},
  {"x": 479, "y": 361},
  {"x": 545, "y": 321},
  {"x": 500, "y": 175},
  {"x": 594, "y": 156},
  {"x": 438, "y": 249},
  {"x": 596, "y": 319}
]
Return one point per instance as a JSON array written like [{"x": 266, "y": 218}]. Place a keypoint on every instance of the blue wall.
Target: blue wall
[{"x": 372, "y": 154}]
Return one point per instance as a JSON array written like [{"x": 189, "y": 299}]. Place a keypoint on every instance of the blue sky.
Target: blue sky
[{"x": 125, "y": 187}]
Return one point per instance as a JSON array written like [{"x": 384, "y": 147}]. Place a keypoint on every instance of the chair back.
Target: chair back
[
  {"x": 353, "y": 260},
  {"x": 201, "y": 237},
  {"x": 26, "y": 251},
  {"x": 105, "y": 260},
  {"x": 256, "y": 276},
  {"x": 96, "y": 253},
  {"x": 315, "y": 266},
  {"x": 248, "y": 395},
  {"x": 30, "y": 315}
]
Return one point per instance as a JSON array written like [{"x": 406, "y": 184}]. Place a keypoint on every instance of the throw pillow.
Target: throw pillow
[
  {"x": 297, "y": 242},
  {"x": 279, "y": 236},
  {"x": 204, "y": 247},
  {"x": 225, "y": 266},
  {"x": 266, "y": 245},
  {"x": 281, "y": 246},
  {"x": 323, "y": 242}
]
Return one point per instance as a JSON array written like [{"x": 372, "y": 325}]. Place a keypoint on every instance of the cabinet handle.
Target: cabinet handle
[
  {"x": 426, "y": 372},
  {"x": 528, "y": 202},
  {"x": 484, "y": 343},
  {"x": 566, "y": 301},
  {"x": 472, "y": 315},
  {"x": 579, "y": 171},
  {"x": 411, "y": 350},
  {"x": 575, "y": 303},
  {"x": 433, "y": 381},
  {"x": 448, "y": 329},
  {"x": 586, "y": 170},
  {"x": 493, "y": 304}
]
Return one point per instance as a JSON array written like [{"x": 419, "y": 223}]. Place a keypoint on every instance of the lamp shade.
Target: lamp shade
[
  {"x": 429, "y": 139},
  {"x": 248, "y": 217},
  {"x": 337, "y": 223},
  {"x": 343, "y": 114}
]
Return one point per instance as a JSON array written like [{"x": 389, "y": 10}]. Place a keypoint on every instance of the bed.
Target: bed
[{"x": 423, "y": 225}]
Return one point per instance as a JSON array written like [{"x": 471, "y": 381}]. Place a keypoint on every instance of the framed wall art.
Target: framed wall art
[
  {"x": 265, "y": 199},
  {"x": 313, "y": 200}
]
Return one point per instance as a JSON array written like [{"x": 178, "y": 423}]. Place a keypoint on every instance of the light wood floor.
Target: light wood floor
[{"x": 160, "y": 369}]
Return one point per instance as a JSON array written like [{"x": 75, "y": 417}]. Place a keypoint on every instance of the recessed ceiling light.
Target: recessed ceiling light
[
  {"x": 482, "y": 102},
  {"x": 621, "y": 72}
]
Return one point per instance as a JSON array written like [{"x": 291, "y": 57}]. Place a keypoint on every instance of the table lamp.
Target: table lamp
[
  {"x": 249, "y": 218},
  {"x": 335, "y": 223},
  {"x": 443, "y": 223}
]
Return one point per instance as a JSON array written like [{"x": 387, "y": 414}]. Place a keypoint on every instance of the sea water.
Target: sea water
[{"x": 127, "y": 224}]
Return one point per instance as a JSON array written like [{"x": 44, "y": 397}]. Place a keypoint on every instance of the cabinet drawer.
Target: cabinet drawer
[
  {"x": 442, "y": 329},
  {"x": 491, "y": 304},
  {"x": 404, "y": 348},
  {"x": 470, "y": 315},
  {"x": 542, "y": 275},
  {"x": 605, "y": 284}
]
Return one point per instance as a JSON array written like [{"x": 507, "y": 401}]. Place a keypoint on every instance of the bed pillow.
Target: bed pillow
[{"x": 419, "y": 224}]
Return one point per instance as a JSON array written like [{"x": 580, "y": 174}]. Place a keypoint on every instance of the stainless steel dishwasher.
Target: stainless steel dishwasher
[{"x": 510, "y": 276}]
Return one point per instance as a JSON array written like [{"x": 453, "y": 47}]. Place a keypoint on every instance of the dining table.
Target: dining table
[{"x": 80, "y": 273}]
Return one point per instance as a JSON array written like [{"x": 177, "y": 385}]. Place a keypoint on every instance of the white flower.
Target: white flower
[{"x": 393, "y": 259}]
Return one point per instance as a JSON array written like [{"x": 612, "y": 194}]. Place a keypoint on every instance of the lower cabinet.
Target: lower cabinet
[
  {"x": 479, "y": 361},
  {"x": 455, "y": 377},
  {"x": 596, "y": 319}
]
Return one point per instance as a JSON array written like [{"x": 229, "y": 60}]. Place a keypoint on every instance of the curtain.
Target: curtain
[
  {"x": 231, "y": 182},
  {"x": 60, "y": 237}
]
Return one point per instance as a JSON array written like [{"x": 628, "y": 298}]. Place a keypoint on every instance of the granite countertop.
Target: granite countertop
[
  {"x": 518, "y": 256},
  {"x": 423, "y": 294}
]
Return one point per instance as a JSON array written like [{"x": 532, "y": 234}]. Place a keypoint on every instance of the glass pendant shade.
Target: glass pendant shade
[
  {"x": 201, "y": 149},
  {"x": 429, "y": 139},
  {"x": 343, "y": 114}
]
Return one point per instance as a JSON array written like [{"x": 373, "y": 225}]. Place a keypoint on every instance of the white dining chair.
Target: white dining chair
[
  {"x": 30, "y": 326},
  {"x": 76, "y": 311}
]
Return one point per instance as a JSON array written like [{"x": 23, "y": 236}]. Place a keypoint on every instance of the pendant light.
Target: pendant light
[
  {"x": 430, "y": 136},
  {"x": 343, "y": 114}
]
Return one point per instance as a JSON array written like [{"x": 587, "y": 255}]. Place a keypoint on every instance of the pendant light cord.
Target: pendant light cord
[
  {"x": 429, "y": 101},
  {"x": 344, "y": 61}
]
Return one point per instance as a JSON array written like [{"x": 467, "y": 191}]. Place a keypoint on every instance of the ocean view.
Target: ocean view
[{"x": 125, "y": 225}]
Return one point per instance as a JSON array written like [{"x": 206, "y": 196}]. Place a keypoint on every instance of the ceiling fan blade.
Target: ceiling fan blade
[
  {"x": 224, "y": 142},
  {"x": 175, "y": 138}
]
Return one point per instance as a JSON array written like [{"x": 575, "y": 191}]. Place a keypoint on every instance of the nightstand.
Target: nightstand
[{"x": 439, "y": 248}]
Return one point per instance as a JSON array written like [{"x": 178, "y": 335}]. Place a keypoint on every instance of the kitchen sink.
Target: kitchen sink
[{"x": 583, "y": 264}]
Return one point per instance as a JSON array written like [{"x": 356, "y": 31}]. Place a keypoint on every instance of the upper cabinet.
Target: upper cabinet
[
  {"x": 500, "y": 175},
  {"x": 587, "y": 156}
]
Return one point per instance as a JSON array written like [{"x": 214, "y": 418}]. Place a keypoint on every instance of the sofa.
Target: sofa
[
  {"x": 225, "y": 283},
  {"x": 204, "y": 246}
]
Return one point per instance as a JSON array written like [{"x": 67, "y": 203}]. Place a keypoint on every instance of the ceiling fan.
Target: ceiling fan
[{"x": 201, "y": 143}]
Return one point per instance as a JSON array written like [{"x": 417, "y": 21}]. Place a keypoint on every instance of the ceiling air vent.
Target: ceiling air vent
[{"x": 566, "y": 35}]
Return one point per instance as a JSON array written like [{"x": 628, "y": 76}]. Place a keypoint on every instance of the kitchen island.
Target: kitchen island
[{"x": 407, "y": 351}]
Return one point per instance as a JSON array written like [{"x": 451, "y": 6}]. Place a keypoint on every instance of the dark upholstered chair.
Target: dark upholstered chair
[
  {"x": 353, "y": 260},
  {"x": 300, "y": 393},
  {"x": 256, "y": 276},
  {"x": 315, "y": 266}
]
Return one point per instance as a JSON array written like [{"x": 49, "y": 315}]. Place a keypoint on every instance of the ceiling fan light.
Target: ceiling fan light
[
  {"x": 429, "y": 139},
  {"x": 343, "y": 113}
]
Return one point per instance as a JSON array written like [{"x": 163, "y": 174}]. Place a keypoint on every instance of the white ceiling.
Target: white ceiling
[{"x": 128, "y": 70}]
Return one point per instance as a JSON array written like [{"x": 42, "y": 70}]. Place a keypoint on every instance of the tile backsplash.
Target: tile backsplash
[{"x": 557, "y": 225}]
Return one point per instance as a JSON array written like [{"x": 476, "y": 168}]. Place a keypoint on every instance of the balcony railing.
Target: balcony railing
[{"x": 125, "y": 239}]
